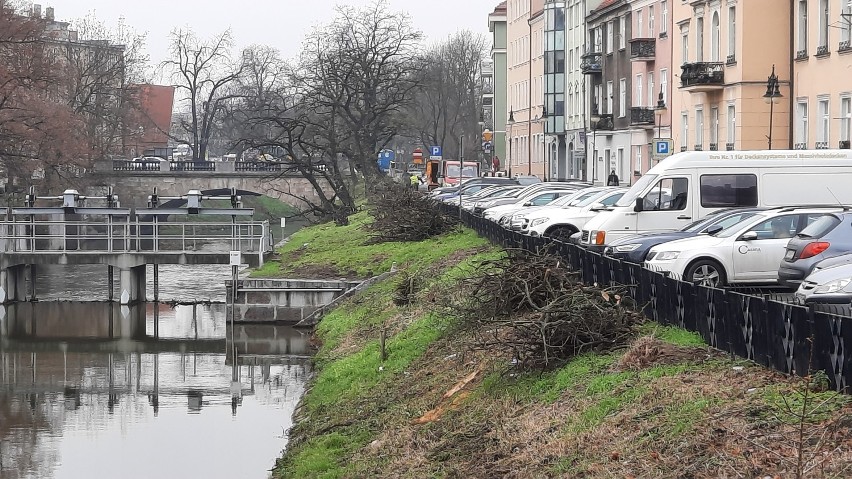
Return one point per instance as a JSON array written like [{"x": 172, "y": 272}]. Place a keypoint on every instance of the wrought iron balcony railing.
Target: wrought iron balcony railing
[
  {"x": 702, "y": 76},
  {"x": 591, "y": 63},
  {"x": 640, "y": 115},
  {"x": 643, "y": 49}
]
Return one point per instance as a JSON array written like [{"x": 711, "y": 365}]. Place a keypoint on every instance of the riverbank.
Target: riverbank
[{"x": 436, "y": 406}]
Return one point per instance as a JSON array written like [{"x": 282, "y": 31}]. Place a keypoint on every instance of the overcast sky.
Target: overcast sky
[{"x": 278, "y": 23}]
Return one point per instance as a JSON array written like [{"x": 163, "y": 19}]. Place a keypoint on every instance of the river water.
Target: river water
[{"x": 90, "y": 389}]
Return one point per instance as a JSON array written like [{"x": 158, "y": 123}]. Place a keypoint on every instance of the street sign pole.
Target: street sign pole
[{"x": 461, "y": 170}]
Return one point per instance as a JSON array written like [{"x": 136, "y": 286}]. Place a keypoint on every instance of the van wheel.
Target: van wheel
[
  {"x": 561, "y": 233},
  {"x": 706, "y": 272}
]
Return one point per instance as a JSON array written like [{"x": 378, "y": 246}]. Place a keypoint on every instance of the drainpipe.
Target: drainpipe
[
  {"x": 791, "y": 55},
  {"x": 529, "y": 100}
]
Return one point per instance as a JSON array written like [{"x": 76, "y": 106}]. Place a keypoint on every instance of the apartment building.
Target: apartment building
[
  {"x": 822, "y": 65},
  {"x": 725, "y": 57},
  {"x": 525, "y": 91},
  {"x": 650, "y": 56},
  {"x": 499, "y": 108},
  {"x": 556, "y": 165},
  {"x": 609, "y": 82}
]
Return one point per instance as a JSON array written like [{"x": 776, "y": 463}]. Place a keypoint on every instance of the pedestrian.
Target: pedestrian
[
  {"x": 415, "y": 181},
  {"x": 613, "y": 179}
]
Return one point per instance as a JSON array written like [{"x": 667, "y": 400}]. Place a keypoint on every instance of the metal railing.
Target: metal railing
[
  {"x": 133, "y": 236},
  {"x": 643, "y": 49},
  {"x": 788, "y": 337},
  {"x": 640, "y": 115},
  {"x": 702, "y": 74},
  {"x": 192, "y": 165},
  {"x": 257, "y": 166}
]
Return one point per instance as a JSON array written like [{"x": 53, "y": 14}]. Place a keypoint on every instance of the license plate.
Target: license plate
[{"x": 790, "y": 254}]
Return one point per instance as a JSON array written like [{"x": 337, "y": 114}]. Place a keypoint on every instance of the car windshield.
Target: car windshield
[
  {"x": 564, "y": 200},
  {"x": 629, "y": 198},
  {"x": 589, "y": 198},
  {"x": 724, "y": 220},
  {"x": 497, "y": 193},
  {"x": 469, "y": 171},
  {"x": 731, "y": 230}
]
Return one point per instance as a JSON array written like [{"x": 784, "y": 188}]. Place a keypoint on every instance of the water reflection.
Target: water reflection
[{"x": 101, "y": 390}]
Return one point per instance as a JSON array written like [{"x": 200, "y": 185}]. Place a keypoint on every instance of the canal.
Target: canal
[{"x": 93, "y": 389}]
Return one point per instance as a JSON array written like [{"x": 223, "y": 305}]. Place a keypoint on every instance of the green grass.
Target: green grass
[
  {"x": 673, "y": 335},
  {"x": 789, "y": 406},
  {"x": 324, "y": 456},
  {"x": 345, "y": 248}
]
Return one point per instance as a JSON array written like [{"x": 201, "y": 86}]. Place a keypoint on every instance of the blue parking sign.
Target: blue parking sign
[
  {"x": 435, "y": 151},
  {"x": 662, "y": 147}
]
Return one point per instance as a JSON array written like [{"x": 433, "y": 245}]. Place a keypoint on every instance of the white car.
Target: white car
[
  {"x": 539, "y": 198},
  {"x": 562, "y": 222},
  {"x": 748, "y": 252}
]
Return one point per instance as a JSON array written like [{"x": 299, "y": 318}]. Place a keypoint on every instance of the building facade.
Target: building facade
[
  {"x": 499, "y": 109},
  {"x": 610, "y": 91},
  {"x": 822, "y": 93},
  {"x": 725, "y": 57},
  {"x": 524, "y": 125}
]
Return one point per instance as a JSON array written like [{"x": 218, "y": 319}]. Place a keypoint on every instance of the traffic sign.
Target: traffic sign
[
  {"x": 435, "y": 151},
  {"x": 662, "y": 148},
  {"x": 486, "y": 146},
  {"x": 486, "y": 136},
  {"x": 417, "y": 156}
]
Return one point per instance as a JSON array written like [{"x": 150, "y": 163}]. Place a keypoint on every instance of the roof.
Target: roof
[{"x": 501, "y": 8}]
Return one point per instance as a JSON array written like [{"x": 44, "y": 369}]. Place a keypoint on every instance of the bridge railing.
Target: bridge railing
[
  {"x": 192, "y": 166},
  {"x": 133, "y": 236}
]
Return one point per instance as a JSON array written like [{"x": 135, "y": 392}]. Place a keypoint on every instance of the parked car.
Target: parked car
[
  {"x": 635, "y": 248},
  {"x": 699, "y": 182},
  {"x": 538, "y": 198},
  {"x": 748, "y": 252},
  {"x": 492, "y": 191},
  {"x": 826, "y": 237},
  {"x": 524, "y": 193},
  {"x": 519, "y": 218},
  {"x": 830, "y": 282},
  {"x": 563, "y": 222}
]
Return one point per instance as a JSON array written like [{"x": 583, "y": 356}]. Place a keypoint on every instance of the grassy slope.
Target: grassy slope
[{"x": 687, "y": 413}]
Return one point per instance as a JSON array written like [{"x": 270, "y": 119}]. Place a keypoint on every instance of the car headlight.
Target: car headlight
[
  {"x": 667, "y": 255},
  {"x": 832, "y": 286},
  {"x": 538, "y": 221},
  {"x": 626, "y": 248}
]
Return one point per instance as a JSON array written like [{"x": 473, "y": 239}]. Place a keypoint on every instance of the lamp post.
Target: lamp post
[
  {"x": 594, "y": 118},
  {"x": 661, "y": 110},
  {"x": 548, "y": 168},
  {"x": 773, "y": 93},
  {"x": 509, "y": 123}
]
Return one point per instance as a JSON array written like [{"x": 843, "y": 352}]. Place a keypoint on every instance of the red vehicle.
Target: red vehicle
[{"x": 450, "y": 170}]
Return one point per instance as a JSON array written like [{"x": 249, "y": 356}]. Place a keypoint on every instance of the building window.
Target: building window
[
  {"x": 664, "y": 84},
  {"x": 845, "y": 118},
  {"x": 699, "y": 40},
  {"x": 650, "y": 21},
  {"x": 802, "y": 124},
  {"x": 639, "y": 26},
  {"x": 714, "y": 38},
  {"x": 609, "y": 98},
  {"x": 802, "y": 44},
  {"x": 652, "y": 99},
  {"x": 597, "y": 106},
  {"x": 610, "y": 30},
  {"x": 684, "y": 45},
  {"x": 845, "y": 24},
  {"x": 823, "y": 25},
  {"x": 622, "y": 33},
  {"x": 622, "y": 98},
  {"x": 824, "y": 123},
  {"x": 714, "y": 128},
  {"x": 620, "y": 162},
  {"x": 732, "y": 127},
  {"x": 664, "y": 16},
  {"x": 637, "y": 101},
  {"x": 684, "y": 131},
  {"x": 699, "y": 129},
  {"x": 638, "y": 166},
  {"x": 732, "y": 34}
]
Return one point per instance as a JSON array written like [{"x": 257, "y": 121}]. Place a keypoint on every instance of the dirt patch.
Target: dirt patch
[{"x": 647, "y": 351}]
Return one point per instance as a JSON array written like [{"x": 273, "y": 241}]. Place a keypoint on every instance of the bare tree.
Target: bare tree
[
  {"x": 203, "y": 73},
  {"x": 448, "y": 103}
]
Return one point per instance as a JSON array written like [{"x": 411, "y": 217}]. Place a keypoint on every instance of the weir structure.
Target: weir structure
[{"x": 126, "y": 239}]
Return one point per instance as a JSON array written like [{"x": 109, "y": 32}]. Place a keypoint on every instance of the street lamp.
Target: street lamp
[
  {"x": 661, "y": 110},
  {"x": 773, "y": 93},
  {"x": 509, "y": 123},
  {"x": 594, "y": 119}
]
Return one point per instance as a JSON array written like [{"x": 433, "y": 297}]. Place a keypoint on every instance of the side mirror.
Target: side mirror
[
  {"x": 528, "y": 203},
  {"x": 640, "y": 205},
  {"x": 716, "y": 229},
  {"x": 598, "y": 206},
  {"x": 749, "y": 236}
]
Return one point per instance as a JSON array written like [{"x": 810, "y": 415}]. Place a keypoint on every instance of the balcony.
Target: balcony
[
  {"x": 643, "y": 49},
  {"x": 592, "y": 63},
  {"x": 642, "y": 116},
  {"x": 605, "y": 123},
  {"x": 702, "y": 77}
]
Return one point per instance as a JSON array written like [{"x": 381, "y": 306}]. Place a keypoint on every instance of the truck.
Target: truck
[{"x": 450, "y": 171}]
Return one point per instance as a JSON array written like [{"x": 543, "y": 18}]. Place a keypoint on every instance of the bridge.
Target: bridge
[
  {"x": 136, "y": 179},
  {"x": 123, "y": 238}
]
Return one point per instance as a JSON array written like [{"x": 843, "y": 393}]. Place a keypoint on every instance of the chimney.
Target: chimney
[
  {"x": 36, "y": 10},
  {"x": 48, "y": 14}
]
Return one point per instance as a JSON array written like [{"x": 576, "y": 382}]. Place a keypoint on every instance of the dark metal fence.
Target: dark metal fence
[{"x": 790, "y": 338}]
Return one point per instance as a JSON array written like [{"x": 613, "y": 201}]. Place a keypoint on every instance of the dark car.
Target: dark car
[
  {"x": 826, "y": 237},
  {"x": 635, "y": 248}
]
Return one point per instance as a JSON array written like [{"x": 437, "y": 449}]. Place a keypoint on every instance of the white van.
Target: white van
[{"x": 687, "y": 186}]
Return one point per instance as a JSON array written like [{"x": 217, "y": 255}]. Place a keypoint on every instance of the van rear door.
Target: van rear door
[{"x": 670, "y": 205}]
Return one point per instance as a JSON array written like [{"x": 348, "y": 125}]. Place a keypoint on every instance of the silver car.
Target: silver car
[{"x": 830, "y": 282}]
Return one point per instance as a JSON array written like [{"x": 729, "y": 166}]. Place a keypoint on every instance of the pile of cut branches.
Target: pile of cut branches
[
  {"x": 533, "y": 306},
  {"x": 403, "y": 214}
]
